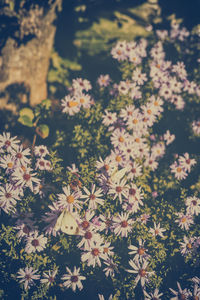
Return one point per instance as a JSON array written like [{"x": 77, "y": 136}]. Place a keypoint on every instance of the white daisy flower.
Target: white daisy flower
[
  {"x": 141, "y": 271},
  {"x": 35, "y": 242},
  {"x": 69, "y": 199},
  {"x": 48, "y": 278},
  {"x": 118, "y": 189},
  {"x": 80, "y": 84},
  {"x": 193, "y": 205},
  {"x": 122, "y": 224},
  {"x": 94, "y": 255},
  {"x": 152, "y": 296},
  {"x": 27, "y": 276},
  {"x": 187, "y": 245},
  {"x": 8, "y": 197},
  {"x": 157, "y": 230},
  {"x": 179, "y": 171},
  {"x": 111, "y": 268},
  {"x": 180, "y": 294},
  {"x": 41, "y": 151},
  {"x": 73, "y": 279},
  {"x": 93, "y": 197},
  {"x": 184, "y": 221},
  {"x": 186, "y": 162},
  {"x": 7, "y": 142},
  {"x": 140, "y": 253},
  {"x": 24, "y": 178},
  {"x": 70, "y": 105},
  {"x": 7, "y": 162},
  {"x": 20, "y": 154}
]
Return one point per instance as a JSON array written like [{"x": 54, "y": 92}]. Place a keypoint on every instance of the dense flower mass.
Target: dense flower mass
[{"x": 135, "y": 197}]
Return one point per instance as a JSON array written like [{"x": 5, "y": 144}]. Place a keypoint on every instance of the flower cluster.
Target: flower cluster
[
  {"x": 182, "y": 166},
  {"x": 129, "y": 204},
  {"x": 20, "y": 170},
  {"x": 15, "y": 163},
  {"x": 41, "y": 163},
  {"x": 77, "y": 98},
  {"x": 193, "y": 293}
]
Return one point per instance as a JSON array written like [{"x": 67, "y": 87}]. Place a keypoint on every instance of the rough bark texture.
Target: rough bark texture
[{"x": 26, "y": 65}]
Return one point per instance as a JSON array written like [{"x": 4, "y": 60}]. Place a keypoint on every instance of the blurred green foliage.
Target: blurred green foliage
[
  {"x": 59, "y": 71},
  {"x": 102, "y": 34}
]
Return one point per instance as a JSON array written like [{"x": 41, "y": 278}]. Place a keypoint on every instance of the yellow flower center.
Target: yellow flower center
[
  {"x": 135, "y": 121},
  {"x": 72, "y": 103},
  {"x": 183, "y": 220},
  {"x": 121, "y": 139},
  {"x": 23, "y": 168},
  {"x": 149, "y": 111},
  {"x": 9, "y": 165},
  {"x": 118, "y": 158},
  {"x": 70, "y": 199},
  {"x": 189, "y": 246},
  {"x": 179, "y": 169}
]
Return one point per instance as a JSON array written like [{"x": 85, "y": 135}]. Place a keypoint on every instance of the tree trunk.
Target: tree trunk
[{"x": 24, "y": 67}]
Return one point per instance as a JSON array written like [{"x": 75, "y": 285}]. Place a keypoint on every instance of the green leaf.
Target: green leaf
[
  {"x": 43, "y": 131},
  {"x": 27, "y": 112},
  {"x": 46, "y": 103},
  {"x": 25, "y": 120}
]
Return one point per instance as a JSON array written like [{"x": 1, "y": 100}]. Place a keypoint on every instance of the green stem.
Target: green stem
[{"x": 34, "y": 140}]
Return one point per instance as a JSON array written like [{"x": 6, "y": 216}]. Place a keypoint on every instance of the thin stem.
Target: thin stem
[
  {"x": 34, "y": 140},
  {"x": 35, "y": 135}
]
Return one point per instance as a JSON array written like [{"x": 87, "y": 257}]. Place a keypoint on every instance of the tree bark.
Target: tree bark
[{"x": 24, "y": 67}]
